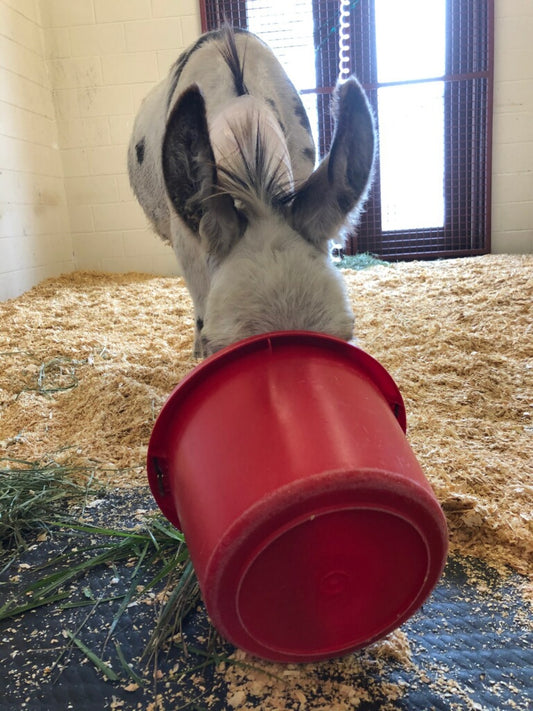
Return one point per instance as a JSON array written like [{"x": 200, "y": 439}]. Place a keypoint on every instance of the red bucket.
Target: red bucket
[{"x": 311, "y": 526}]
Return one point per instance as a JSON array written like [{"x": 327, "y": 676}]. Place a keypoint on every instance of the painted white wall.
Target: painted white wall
[
  {"x": 104, "y": 56},
  {"x": 72, "y": 75},
  {"x": 35, "y": 240},
  {"x": 512, "y": 161}
]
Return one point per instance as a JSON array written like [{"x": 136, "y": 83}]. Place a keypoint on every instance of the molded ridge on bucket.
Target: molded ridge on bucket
[{"x": 310, "y": 524}]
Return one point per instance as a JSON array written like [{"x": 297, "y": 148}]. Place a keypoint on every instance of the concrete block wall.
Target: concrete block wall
[
  {"x": 512, "y": 153},
  {"x": 35, "y": 240},
  {"x": 104, "y": 56}
]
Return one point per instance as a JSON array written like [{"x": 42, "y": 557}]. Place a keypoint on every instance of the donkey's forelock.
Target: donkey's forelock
[{"x": 257, "y": 172}]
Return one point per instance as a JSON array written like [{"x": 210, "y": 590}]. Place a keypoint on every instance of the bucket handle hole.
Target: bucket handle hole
[{"x": 160, "y": 476}]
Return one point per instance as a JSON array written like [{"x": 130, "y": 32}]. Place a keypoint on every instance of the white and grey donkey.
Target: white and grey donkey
[{"x": 222, "y": 161}]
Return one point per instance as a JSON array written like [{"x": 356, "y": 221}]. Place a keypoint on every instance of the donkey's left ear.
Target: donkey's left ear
[
  {"x": 338, "y": 187},
  {"x": 190, "y": 175}
]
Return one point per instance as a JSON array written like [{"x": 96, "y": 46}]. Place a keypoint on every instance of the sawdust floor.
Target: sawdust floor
[{"x": 87, "y": 360}]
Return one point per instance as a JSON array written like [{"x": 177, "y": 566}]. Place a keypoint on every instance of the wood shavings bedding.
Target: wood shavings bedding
[{"x": 456, "y": 335}]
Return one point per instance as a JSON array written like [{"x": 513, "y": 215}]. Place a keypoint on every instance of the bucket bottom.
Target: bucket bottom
[{"x": 329, "y": 573}]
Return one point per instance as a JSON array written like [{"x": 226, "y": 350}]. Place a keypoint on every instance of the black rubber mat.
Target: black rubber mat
[{"x": 471, "y": 647}]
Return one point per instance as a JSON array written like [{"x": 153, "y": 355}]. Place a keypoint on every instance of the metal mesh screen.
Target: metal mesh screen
[{"x": 467, "y": 97}]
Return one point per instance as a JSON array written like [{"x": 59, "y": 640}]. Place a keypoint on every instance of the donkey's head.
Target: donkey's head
[{"x": 267, "y": 243}]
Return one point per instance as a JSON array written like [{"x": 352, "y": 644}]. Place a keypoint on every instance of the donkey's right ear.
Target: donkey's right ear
[{"x": 190, "y": 175}]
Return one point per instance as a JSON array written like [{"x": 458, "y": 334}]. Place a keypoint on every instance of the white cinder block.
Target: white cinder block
[
  {"x": 130, "y": 68},
  {"x": 513, "y": 217},
  {"x": 26, "y": 94},
  {"x": 153, "y": 35},
  {"x": 27, "y": 8},
  {"x": 20, "y": 28},
  {"x": 165, "y": 60},
  {"x": 144, "y": 242},
  {"x": 167, "y": 8},
  {"x": 15, "y": 187},
  {"x": 87, "y": 132},
  {"x": 81, "y": 218},
  {"x": 97, "y": 40},
  {"x": 513, "y": 65},
  {"x": 65, "y": 13},
  {"x": 75, "y": 162},
  {"x": 515, "y": 31},
  {"x": 513, "y": 96},
  {"x": 66, "y": 104},
  {"x": 121, "y": 10},
  {"x": 14, "y": 283},
  {"x": 104, "y": 101},
  {"x": 109, "y": 160},
  {"x": 22, "y": 61},
  {"x": 138, "y": 93},
  {"x": 191, "y": 28},
  {"x": 512, "y": 187},
  {"x": 512, "y": 158},
  {"x": 36, "y": 158},
  {"x": 91, "y": 190},
  {"x": 125, "y": 193},
  {"x": 57, "y": 42},
  {"x": 508, "y": 242},
  {"x": 21, "y": 123},
  {"x": 120, "y": 216},
  {"x": 16, "y": 252},
  {"x": 165, "y": 265},
  {"x": 103, "y": 244},
  {"x": 513, "y": 127},
  {"x": 72, "y": 73},
  {"x": 126, "y": 264},
  {"x": 120, "y": 128}
]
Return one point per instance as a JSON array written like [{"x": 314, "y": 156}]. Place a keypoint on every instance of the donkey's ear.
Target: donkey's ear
[
  {"x": 339, "y": 185},
  {"x": 190, "y": 175}
]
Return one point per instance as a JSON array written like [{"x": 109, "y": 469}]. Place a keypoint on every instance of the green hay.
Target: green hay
[
  {"x": 157, "y": 551},
  {"x": 361, "y": 261},
  {"x": 33, "y": 493}
]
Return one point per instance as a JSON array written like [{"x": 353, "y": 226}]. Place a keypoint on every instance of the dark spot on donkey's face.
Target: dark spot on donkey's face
[
  {"x": 309, "y": 154},
  {"x": 139, "y": 150},
  {"x": 300, "y": 111},
  {"x": 274, "y": 108},
  {"x": 199, "y": 323}
]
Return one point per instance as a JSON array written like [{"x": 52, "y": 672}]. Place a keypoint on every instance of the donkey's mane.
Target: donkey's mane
[{"x": 230, "y": 53}]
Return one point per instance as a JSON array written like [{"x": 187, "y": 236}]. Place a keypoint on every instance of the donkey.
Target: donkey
[{"x": 222, "y": 160}]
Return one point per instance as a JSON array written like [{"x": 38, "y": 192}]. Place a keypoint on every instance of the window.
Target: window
[{"x": 427, "y": 70}]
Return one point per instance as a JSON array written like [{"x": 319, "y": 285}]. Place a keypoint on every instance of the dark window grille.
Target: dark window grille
[{"x": 468, "y": 87}]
